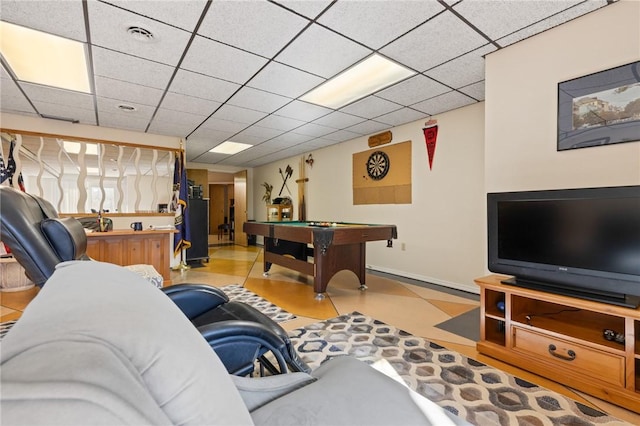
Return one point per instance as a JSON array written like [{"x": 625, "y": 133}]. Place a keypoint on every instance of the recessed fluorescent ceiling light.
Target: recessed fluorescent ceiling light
[
  {"x": 74, "y": 148},
  {"x": 230, "y": 147},
  {"x": 43, "y": 58},
  {"x": 368, "y": 76}
]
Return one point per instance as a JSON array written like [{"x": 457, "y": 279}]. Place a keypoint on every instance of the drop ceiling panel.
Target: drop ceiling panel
[
  {"x": 499, "y": 18},
  {"x": 85, "y": 116},
  {"x": 442, "y": 103},
  {"x": 66, "y": 19},
  {"x": 165, "y": 11},
  {"x": 191, "y": 121},
  {"x": 167, "y": 128},
  {"x": 290, "y": 139},
  {"x": 109, "y": 29},
  {"x": 215, "y": 59},
  {"x": 263, "y": 133},
  {"x": 212, "y": 136},
  {"x": 339, "y": 120},
  {"x": 248, "y": 139},
  {"x": 241, "y": 115},
  {"x": 313, "y": 144},
  {"x": 12, "y": 99},
  {"x": 189, "y": 104},
  {"x": 52, "y": 95},
  {"x": 464, "y": 70},
  {"x": 341, "y": 136},
  {"x": 412, "y": 90},
  {"x": 552, "y": 21},
  {"x": 4, "y": 73},
  {"x": 229, "y": 82},
  {"x": 475, "y": 90},
  {"x": 314, "y": 130},
  {"x": 369, "y": 127},
  {"x": 371, "y": 107},
  {"x": 385, "y": 20},
  {"x": 280, "y": 123},
  {"x": 283, "y": 80},
  {"x": 401, "y": 116},
  {"x": 231, "y": 22},
  {"x": 275, "y": 144},
  {"x": 198, "y": 146},
  {"x": 259, "y": 100},
  {"x": 441, "y": 39},
  {"x": 278, "y": 155},
  {"x": 224, "y": 126},
  {"x": 202, "y": 86},
  {"x": 309, "y": 8},
  {"x": 322, "y": 52},
  {"x": 303, "y": 111},
  {"x": 119, "y": 66},
  {"x": 128, "y": 92},
  {"x": 111, "y": 106},
  {"x": 208, "y": 157}
]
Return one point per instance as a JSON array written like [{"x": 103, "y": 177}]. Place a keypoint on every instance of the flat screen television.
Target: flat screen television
[{"x": 578, "y": 242}]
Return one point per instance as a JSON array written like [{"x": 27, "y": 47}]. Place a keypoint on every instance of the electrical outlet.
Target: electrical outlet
[{"x": 403, "y": 247}]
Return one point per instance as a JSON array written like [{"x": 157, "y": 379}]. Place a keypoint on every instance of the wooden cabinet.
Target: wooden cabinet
[
  {"x": 279, "y": 212},
  {"x": 127, "y": 247},
  {"x": 563, "y": 339}
]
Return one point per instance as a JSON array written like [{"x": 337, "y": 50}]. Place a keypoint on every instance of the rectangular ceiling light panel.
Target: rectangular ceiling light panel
[
  {"x": 230, "y": 147},
  {"x": 367, "y": 77},
  {"x": 42, "y": 58},
  {"x": 74, "y": 148}
]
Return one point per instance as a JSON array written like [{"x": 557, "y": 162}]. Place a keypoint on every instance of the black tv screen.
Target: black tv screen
[{"x": 578, "y": 242}]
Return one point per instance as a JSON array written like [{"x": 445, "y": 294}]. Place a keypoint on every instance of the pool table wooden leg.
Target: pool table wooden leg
[{"x": 337, "y": 258}]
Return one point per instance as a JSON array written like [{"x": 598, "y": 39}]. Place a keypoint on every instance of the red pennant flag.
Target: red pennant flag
[{"x": 430, "y": 137}]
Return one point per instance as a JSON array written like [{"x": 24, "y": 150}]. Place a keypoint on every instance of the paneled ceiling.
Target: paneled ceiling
[{"x": 234, "y": 70}]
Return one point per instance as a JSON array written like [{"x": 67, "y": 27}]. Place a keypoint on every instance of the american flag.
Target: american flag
[{"x": 6, "y": 173}]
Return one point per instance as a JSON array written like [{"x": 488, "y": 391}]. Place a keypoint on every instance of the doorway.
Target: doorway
[{"x": 221, "y": 212}]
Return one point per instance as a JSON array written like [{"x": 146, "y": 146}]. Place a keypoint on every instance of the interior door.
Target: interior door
[
  {"x": 240, "y": 210},
  {"x": 217, "y": 207}
]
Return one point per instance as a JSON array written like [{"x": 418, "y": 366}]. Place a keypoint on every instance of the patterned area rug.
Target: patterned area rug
[
  {"x": 235, "y": 292},
  {"x": 238, "y": 293},
  {"x": 467, "y": 388}
]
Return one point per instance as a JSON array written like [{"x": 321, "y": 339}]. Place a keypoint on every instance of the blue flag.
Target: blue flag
[{"x": 182, "y": 238}]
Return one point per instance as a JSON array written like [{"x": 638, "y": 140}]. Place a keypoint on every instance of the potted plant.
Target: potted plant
[{"x": 267, "y": 193}]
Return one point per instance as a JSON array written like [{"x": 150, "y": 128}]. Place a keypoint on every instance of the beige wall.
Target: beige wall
[
  {"x": 507, "y": 143},
  {"x": 442, "y": 230},
  {"x": 62, "y": 128},
  {"x": 521, "y": 99}
]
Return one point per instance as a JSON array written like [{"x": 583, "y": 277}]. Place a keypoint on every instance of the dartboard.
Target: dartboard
[{"x": 378, "y": 165}]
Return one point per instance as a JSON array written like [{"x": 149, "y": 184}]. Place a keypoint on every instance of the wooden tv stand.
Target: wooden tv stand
[{"x": 561, "y": 338}]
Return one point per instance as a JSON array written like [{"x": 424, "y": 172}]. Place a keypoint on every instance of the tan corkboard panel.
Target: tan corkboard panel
[{"x": 394, "y": 188}]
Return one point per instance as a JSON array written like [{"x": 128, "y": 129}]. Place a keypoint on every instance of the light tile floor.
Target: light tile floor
[{"x": 414, "y": 308}]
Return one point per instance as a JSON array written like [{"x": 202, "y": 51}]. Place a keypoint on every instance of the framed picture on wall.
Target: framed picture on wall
[{"x": 600, "y": 109}]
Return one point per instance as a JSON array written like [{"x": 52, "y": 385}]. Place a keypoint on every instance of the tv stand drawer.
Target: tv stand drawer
[{"x": 570, "y": 356}]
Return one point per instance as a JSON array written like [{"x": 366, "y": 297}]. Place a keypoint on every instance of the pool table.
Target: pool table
[{"x": 335, "y": 246}]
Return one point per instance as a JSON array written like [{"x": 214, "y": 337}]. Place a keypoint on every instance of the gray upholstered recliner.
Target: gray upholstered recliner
[
  {"x": 40, "y": 240},
  {"x": 99, "y": 345}
]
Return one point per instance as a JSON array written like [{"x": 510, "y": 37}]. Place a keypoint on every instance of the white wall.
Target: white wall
[
  {"x": 521, "y": 104},
  {"x": 442, "y": 230}
]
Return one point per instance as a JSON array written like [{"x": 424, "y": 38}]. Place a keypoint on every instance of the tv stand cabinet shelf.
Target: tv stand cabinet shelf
[{"x": 562, "y": 338}]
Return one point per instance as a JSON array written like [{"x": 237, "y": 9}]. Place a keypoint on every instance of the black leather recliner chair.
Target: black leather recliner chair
[{"x": 239, "y": 333}]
